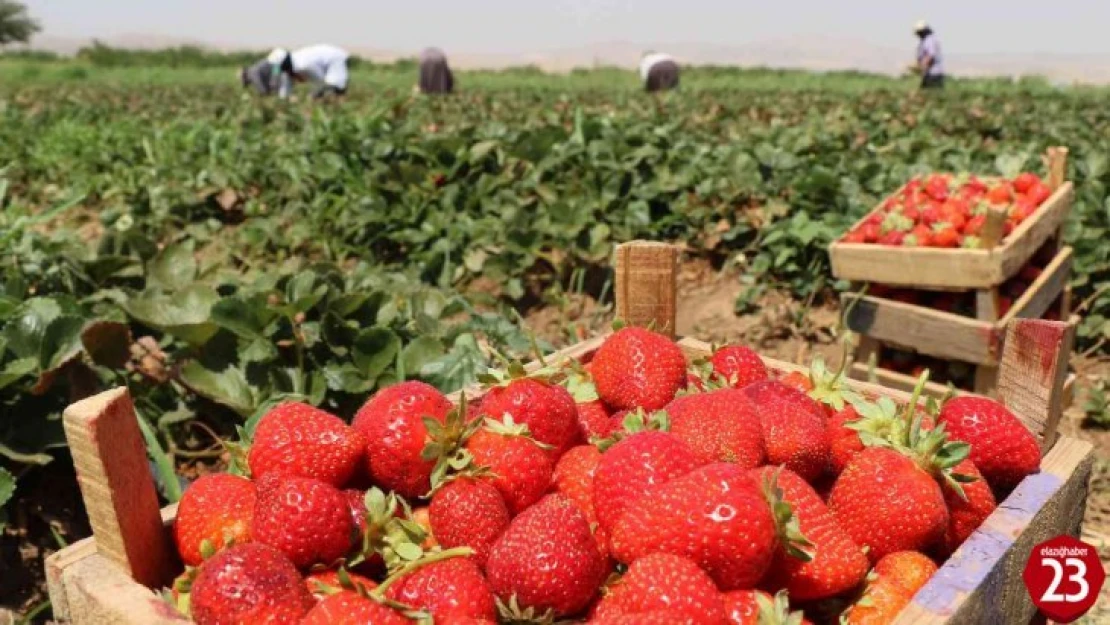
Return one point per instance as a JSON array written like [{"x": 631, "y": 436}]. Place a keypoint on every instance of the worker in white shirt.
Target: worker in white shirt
[
  {"x": 659, "y": 72},
  {"x": 930, "y": 61},
  {"x": 435, "y": 74},
  {"x": 323, "y": 65}
]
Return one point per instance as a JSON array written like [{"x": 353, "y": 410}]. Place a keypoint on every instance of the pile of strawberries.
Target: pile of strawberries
[
  {"x": 635, "y": 488},
  {"x": 947, "y": 211}
]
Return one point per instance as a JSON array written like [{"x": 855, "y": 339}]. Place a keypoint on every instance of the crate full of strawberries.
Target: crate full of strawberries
[
  {"x": 635, "y": 480},
  {"x": 955, "y": 230}
]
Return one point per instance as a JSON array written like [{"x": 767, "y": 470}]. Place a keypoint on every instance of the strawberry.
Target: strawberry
[
  {"x": 548, "y": 410},
  {"x": 1025, "y": 181},
  {"x": 894, "y": 237},
  {"x": 325, "y": 582},
  {"x": 966, "y": 513},
  {"x": 742, "y": 606},
  {"x": 856, "y": 235},
  {"x": 945, "y": 235},
  {"x": 468, "y": 512},
  {"x": 892, "y": 584},
  {"x": 574, "y": 477},
  {"x": 719, "y": 425},
  {"x": 595, "y": 420},
  {"x": 838, "y": 563},
  {"x": 392, "y": 421},
  {"x": 738, "y": 365},
  {"x": 248, "y": 584},
  {"x": 1002, "y": 448},
  {"x": 422, "y": 517},
  {"x": 999, "y": 194},
  {"x": 448, "y": 588},
  {"x": 871, "y": 233},
  {"x": 306, "y": 519},
  {"x": 1038, "y": 193},
  {"x": 793, "y": 427},
  {"x": 521, "y": 469},
  {"x": 887, "y": 502},
  {"x": 662, "y": 581},
  {"x": 351, "y": 608},
  {"x": 844, "y": 442},
  {"x": 798, "y": 380},
  {"x": 974, "y": 226},
  {"x": 215, "y": 510},
  {"x": 936, "y": 187},
  {"x": 357, "y": 504},
  {"x": 547, "y": 559},
  {"x": 637, "y": 368},
  {"x": 878, "y": 420},
  {"x": 630, "y": 468},
  {"x": 300, "y": 440},
  {"x": 715, "y": 515}
]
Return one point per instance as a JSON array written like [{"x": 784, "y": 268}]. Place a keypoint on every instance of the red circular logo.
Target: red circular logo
[{"x": 1063, "y": 577}]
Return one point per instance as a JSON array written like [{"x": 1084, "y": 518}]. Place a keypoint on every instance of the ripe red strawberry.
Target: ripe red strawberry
[
  {"x": 356, "y": 501},
  {"x": 1002, "y": 448},
  {"x": 793, "y": 428},
  {"x": 844, "y": 442},
  {"x": 323, "y": 583},
  {"x": 838, "y": 563},
  {"x": 662, "y": 581},
  {"x": 595, "y": 421},
  {"x": 217, "y": 508},
  {"x": 574, "y": 477},
  {"x": 894, "y": 237},
  {"x": 548, "y": 410},
  {"x": 351, "y": 608},
  {"x": 887, "y": 502},
  {"x": 451, "y": 587},
  {"x": 719, "y": 426},
  {"x": 521, "y": 469},
  {"x": 738, "y": 365},
  {"x": 856, "y": 235},
  {"x": 798, "y": 380},
  {"x": 469, "y": 512},
  {"x": 392, "y": 422},
  {"x": 1038, "y": 193},
  {"x": 300, "y": 440},
  {"x": 920, "y": 236},
  {"x": 1025, "y": 181},
  {"x": 896, "y": 579},
  {"x": 249, "y": 584},
  {"x": 945, "y": 235},
  {"x": 637, "y": 368},
  {"x": 306, "y": 519},
  {"x": 967, "y": 513},
  {"x": 629, "y": 469},
  {"x": 716, "y": 515},
  {"x": 742, "y": 606},
  {"x": 936, "y": 187},
  {"x": 547, "y": 558},
  {"x": 974, "y": 225},
  {"x": 871, "y": 232}
]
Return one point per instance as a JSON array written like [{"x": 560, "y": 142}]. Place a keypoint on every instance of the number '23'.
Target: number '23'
[{"x": 1079, "y": 577}]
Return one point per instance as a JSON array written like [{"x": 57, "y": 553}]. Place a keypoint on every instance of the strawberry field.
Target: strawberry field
[{"x": 219, "y": 255}]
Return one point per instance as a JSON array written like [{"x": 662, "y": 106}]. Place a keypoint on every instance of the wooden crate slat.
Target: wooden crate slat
[
  {"x": 885, "y": 378},
  {"x": 1034, "y": 370},
  {"x": 981, "y": 582},
  {"x": 921, "y": 329},
  {"x": 1045, "y": 290},
  {"x": 1028, "y": 237}
]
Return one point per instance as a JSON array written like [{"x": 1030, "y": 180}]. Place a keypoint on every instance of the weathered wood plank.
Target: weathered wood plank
[
  {"x": 1034, "y": 369},
  {"x": 981, "y": 582},
  {"x": 117, "y": 487},
  {"x": 885, "y": 378},
  {"x": 97, "y": 592},
  {"x": 921, "y": 329},
  {"x": 646, "y": 275}
]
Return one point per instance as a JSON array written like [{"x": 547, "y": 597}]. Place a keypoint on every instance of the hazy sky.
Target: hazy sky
[{"x": 520, "y": 26}]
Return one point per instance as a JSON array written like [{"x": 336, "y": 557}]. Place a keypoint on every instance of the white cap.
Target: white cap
[
  {"x": 277, "y": 56},
  {"x": 920, "y": 26}
]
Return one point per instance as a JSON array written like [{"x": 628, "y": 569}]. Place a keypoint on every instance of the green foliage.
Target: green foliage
[{"x": 16, "y": 25}]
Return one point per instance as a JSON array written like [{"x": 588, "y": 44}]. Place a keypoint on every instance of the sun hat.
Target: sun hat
[
  {"x": 921, "y": 25},
  {"x": 277, "y": 56}
]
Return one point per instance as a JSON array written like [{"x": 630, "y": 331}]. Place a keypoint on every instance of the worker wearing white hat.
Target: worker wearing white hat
[
  {"x": 322, "y": 64},
  {"x": 930, "y": 61}
]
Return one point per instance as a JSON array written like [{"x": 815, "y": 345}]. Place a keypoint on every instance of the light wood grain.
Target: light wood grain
[
  {"x": 99, "y": 593},
  {"x": 886, "y": 378},
  {"x": 1045, "y": 290},
  {"x": 1034, "y": 369},
  {"x": 920, "y": 329},
  {"x": 1057, "y": 162},
  {"x": 117, "y": 487},
  {"x": 646, "y": 285},
  {"x": 981, "y": 582}
]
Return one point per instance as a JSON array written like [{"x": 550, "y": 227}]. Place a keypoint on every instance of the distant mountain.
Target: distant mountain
[{"x": 821, "y": 53}]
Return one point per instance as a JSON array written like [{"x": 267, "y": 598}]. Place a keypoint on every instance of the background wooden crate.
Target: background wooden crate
[
  {"x": 108, "y": 578},
  {"x": 936, "y": 268}
]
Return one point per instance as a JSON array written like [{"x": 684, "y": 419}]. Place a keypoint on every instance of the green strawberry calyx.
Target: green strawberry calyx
[
  {"x": 413, "y": 558},
  {"x": 512, "y": 613},
  {"x": 786, "y": 523},
  {"x": 445, "y": 441},
  {"x": 634, "y": 422},
  {"x": 776, "y": 611},
  {"x": 829, "y": 387}
]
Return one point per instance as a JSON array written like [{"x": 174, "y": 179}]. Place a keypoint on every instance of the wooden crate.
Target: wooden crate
[
  {"x": 108, "y": 578},
  {"x": 936, "y": 268}
]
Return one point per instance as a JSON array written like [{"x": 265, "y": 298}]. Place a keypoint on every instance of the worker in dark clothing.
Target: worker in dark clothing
[{"x": 435, "y": 74}]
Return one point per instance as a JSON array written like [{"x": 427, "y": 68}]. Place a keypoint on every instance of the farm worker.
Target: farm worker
[
  {"x": 325, "y": 65},
  {"x": 930, "y": 62},
  {"x": 435, "y": 75},
  {"x": 659, "y": 72},
  {"x": 260, "y": 76}
]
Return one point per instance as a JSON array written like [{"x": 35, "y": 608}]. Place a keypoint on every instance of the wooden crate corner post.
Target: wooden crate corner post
[
  {"x": 1034, "y": 368},
  {"x": 118, "y": 488},
  {"x": 646, "y": 275}
]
